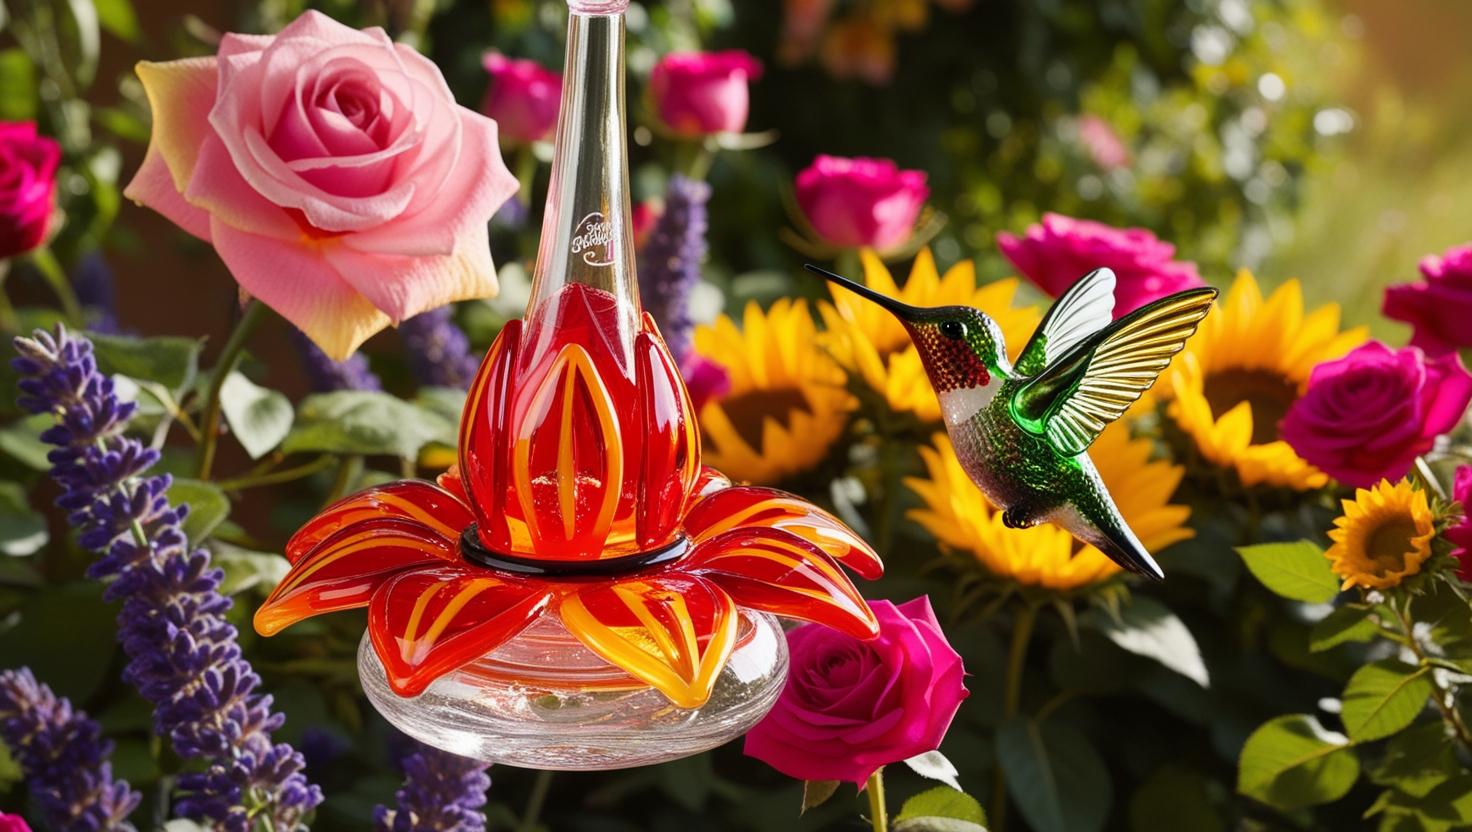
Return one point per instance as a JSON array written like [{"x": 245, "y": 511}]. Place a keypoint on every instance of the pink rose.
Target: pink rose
[
  {"x": 1440, "y": 309},
  {"x": 1103, "y": 145},
  {"x": 852, "y": 706},
  {"x": 1060, "y": 250},
  {"x": 13, "y": 823},
  {"x": 27, "y": 186},
  {"x": 861, "y": 202},
  {"x": 1368, "y": 415},
  {"x": 701, "y": 93},
  {"x": 523, "y": 98},
  {"x": 644, "y": 217},
  {"x": 1460, "y": 535},
  {"x": 333, "y": 172}
]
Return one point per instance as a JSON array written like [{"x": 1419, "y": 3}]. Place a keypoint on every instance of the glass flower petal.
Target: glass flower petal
[
  {"x": 671, "y": 441},
  {"x": 484, "y": 445},
  {"x": 757, "y": 506},
  {"x": 414, "y": 500}
]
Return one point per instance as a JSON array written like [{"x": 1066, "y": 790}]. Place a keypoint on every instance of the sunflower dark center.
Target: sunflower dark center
[
  {"x": 1389, "y": 544},
  {"x": 749, "y": 411},
  {"x": 1267, "y": 393}
]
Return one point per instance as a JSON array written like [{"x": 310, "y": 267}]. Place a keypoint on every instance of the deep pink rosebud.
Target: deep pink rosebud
[
  {"x": 27, "y": 186},
  {"x": 852, "y": 706},
  {"x": 523, "y": 98},
  {"x": 1460, "y": 535},
  {"x": 701, "y": 93},
  {"x": 13, "y": 823},
  {"x": 861, "y": 202},
  {"x": 1058, "y": 251},
  {"x": 643, "y": 218},
  {"x": 1368, "y": 415},
  {"x": 1440, "y": 308}
]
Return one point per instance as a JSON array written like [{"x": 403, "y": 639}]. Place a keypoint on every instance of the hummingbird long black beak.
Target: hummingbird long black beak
[{"x": 903, "y": 311}]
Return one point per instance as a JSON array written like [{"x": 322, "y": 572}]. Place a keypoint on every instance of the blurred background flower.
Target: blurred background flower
[{"x": 703, "y": 93}]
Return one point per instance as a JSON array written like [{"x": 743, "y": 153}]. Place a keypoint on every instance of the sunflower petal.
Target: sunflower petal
[
  {"x": 414, "y": 500},
  {"x": 776, "y": 571},
  {"x": 759, "y": 507},
  {"x": 674, "y": 632},
  {"x": 428, "y": 622}
]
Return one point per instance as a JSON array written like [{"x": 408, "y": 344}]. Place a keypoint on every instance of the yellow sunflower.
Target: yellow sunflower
[
  {"x": 963, "y": 520},
  {"x": 1383, "y": 536},
  {"x": 870, "y": 343},
  {"x": 1238, "y": 375},
  {"x": 787, "y": 403}
]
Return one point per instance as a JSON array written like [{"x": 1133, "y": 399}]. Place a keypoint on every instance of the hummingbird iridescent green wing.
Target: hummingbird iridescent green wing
[{"x": 1022, "y": 432}]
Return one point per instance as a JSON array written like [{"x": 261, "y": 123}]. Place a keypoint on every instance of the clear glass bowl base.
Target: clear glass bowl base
[{"x": 543, "y": 700}]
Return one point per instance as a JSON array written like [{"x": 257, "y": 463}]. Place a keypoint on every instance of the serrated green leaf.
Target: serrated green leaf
[
  {"x": 1054, "y": 775},
  {"x": 1298, "y": 571},
  {"x": 816, "y": 793},
  {"x": 1292, "y": 761},
  {"x": 1146, "y": 628},
  {"x": 170, "y": 361},
  {"x": 367, "y": 424},
  {"x": 942, "y": 802},
  {"x": 22, "y": 528},
  {"x": 208, "y": 507},
  {"x": 1343, "y": 625},
  {"x": 259, "y": 418},
  {"x": 1382, "y": 698}
]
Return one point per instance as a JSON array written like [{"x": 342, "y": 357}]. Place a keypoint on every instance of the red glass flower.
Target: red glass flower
[{"x": 579, "y": 491}]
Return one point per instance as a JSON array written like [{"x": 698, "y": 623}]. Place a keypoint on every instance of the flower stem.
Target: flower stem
[
  {"x": 1011, "y": 702},
  {"x": 878, "y": 814},
  {"x": 50, "y": 269},
  {"x": 321, "y": 463},
  {"x": 254, "y": 313},
  {"x": 535, "y": 801},
  {"x": 1438, "y": 693}
]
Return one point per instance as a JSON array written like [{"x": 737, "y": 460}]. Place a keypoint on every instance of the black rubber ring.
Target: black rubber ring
[{"x": 476, "y": 552}]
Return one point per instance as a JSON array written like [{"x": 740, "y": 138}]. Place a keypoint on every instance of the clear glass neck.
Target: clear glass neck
[{"x": 587, "y": 236}]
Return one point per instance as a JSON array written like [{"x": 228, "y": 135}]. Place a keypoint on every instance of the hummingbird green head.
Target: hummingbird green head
[{"x": 961, "y": 346}]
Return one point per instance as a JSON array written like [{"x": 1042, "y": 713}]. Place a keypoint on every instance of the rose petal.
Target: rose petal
[
  {"x": 218, "y": 188},
  {"x": 180, "y": 95},
  {"x": 153, "y": 186},
  {"x": 402, "y": 287}
]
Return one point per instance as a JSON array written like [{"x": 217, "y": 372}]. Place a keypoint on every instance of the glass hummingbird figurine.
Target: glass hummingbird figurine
[
  {"x": 574, "y": 591},
  {"x": 1022, "y": 432}
]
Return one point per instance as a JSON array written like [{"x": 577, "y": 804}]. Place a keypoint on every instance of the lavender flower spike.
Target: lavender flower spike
[
  {"x": 64, "y": 758},
  {"x": 670, "y": 261},
  {"x": 326, "y": 375},
  {"x": 439, "y": 352},
  {"x": 183, "y": 656},
  {"x": 441, "y": 793}
]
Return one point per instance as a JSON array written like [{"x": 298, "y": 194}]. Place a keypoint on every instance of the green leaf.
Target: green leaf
[
  {"x": 448, "y": 402},
  {"x": 82, "y": 40},
  {"x": 1054, "y": 775},
  {"x": 170, "y": 361},
  {"x": 1146, "y": 628},
  {"x": 22, "y": 440},
  {"x": 928, "y": 824},
  {"x": 365, "y": 423},
  {"x": 1292, "y": 761},
  {"x": 1417, "y": 759},
  {"x": 17, "y": 86},
  {"x": 22, "y": 529},
  {"x": 1342, "y": 625},
  {"x": 259, "y": 417},
  {"x": 816, "y": 792},
  {"x": 117, "y": 18},
  {"x": 1173, "y": 798},
  {"x": 942, "y": 802},
  {"x": 1384, "y": 697},
  {"x": 208, "y": 507},
  {"x": 1293, "y": 570},
  {"x": 933, "y": 765},
  {"x": 247, "y": 569},
  {"x": 66, "y": 636},
  {"x": 10, "y": 771}
]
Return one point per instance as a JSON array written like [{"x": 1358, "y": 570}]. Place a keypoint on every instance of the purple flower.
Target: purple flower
[
  {"x": 670, "y": 261},
  {"x": 96, "y": 290},
  {"x": 1440, "y": 308},
  {"x": 325, "y": 375},
  {"x": 183, "y": 656},
  {"x": 1367, "y": 416},
  {"x": 64, "y": 758},
  {"x": 439, "y": 352},
  {"x": 1058, "y": 251},
  {"x": 441, "y": 793}
]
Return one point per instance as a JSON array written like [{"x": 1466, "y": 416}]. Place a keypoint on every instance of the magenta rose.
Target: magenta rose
[
  {"x": 1058, "y": 251},
  {"x": 1460, "y": 535},
  {"x": 27, "y": 186},
  {"x": 1368, "y": 415},
  {"x": 523, "y": 98},
  {"x": 1439, "y": 309},
  {"x": 856, "y": 203},
  {"x": 852, "y": 706},
  {"x": 703, "y": 93},
  {"x": 332, "y": 171},
  {"x": 13, "y": 823}
]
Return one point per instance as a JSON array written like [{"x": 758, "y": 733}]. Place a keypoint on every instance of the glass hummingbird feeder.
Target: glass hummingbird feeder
[{"x": 579, "y": 592}]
